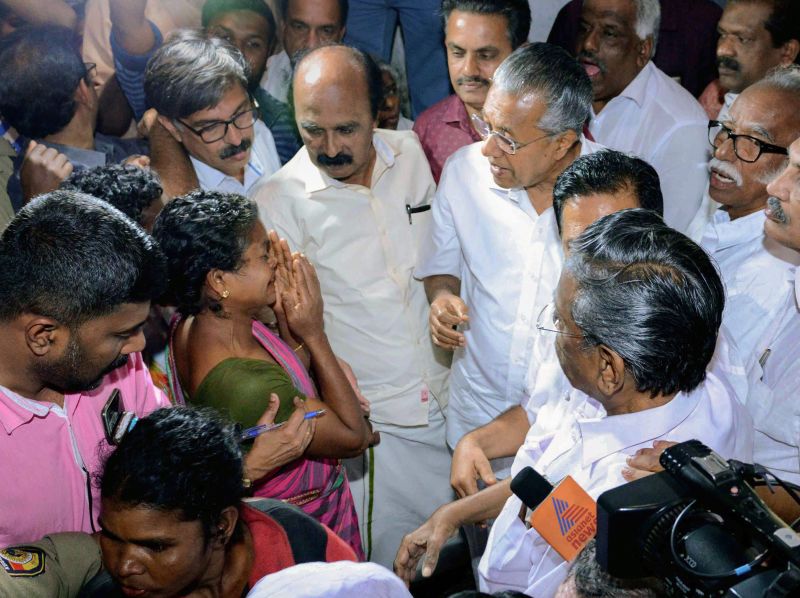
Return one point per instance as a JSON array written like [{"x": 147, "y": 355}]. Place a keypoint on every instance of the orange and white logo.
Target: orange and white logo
[{"x": 567, "y": 519}]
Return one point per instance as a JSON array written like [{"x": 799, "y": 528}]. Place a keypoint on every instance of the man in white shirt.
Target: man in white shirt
[
  {"x": 198, "y": 86},
  {"x": 754, "y": 36},
  {"x": 355, "y": 202},
  {"x": 307, "y": 24},
  {"x": 637, "y": 108},
  {"x": 494, "y": 256},
  {"x": 750, "y": 151},
  {"x": 636, "y": 349}
]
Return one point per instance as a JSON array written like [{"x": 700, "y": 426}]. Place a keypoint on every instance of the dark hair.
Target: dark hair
[
  {"x": 192, "y": 72},
  {"x": 129, "y": 189},
  {"x": 41, "y": 68},
  {"x": 650, "y": 294},
  {"x": 517, "y": 14},
  {"x": 608, "y": 171},
  {"x": 213, "y": 8},
  {"x": 73, "y": 257},
  {"x": 199, "y": 232},
  {"x": 362, "y": 61},
  {"x": 556, "y": 78},
  {"x": 592, "y": 582},
  {"x": 344, "y": 8},
  {"x": 783, "y": 23},
  {"x": 177, "y": 459}
]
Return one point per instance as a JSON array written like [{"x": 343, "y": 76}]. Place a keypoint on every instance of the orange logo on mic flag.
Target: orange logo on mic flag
[{"x": 566, "y": 519}]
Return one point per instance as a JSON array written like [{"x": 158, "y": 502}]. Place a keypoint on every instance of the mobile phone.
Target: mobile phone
[{"x": 116, "y": 421}]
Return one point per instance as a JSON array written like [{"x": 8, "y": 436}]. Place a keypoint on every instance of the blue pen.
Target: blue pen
[{"x": 256, "y": 431}]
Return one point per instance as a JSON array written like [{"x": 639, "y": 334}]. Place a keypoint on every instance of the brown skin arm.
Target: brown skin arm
[
  {"x": 133, "y": 31},
  {"x": 168, "y": 158},
  {"x": 447, "y": 311},
  {"x": 114, "y": 114},
  {"x": 501, "y": 437},
  {"x": 427, "y": 540}
]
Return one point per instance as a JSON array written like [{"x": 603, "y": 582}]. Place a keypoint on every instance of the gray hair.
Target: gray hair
[
  {"x": 648, "y": 19},
  {"x": 555, "y": 77},
  {"x": 784, "y": 78},
  {"x": 590, "y": 580},
  {"x": 192, "y": 72}
]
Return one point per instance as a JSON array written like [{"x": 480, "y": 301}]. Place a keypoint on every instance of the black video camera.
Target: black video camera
[{"x": 700, "y": 527}]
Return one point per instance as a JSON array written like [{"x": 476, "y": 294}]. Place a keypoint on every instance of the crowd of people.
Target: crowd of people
[{"x": 291, "y": 290}]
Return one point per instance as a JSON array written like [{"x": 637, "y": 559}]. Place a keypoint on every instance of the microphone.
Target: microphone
[
  {"x": 564, "y": 515},
  {"x": 531, "y": 487}
]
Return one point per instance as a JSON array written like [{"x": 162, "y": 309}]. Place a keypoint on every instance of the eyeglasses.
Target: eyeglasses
[
  {"x": 548, "y": 314},
  {"x": 746, "y": 148},
  {"x": 91, "y": 71},
  {"x": 216, "y": 131},
  {"x": 505, "y": 143}
]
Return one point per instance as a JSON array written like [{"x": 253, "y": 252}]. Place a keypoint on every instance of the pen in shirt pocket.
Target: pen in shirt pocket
[{"x": 255, "y": 431}]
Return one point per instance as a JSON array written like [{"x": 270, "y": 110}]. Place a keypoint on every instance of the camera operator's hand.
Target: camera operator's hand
[{"x": 645, "y": 461}]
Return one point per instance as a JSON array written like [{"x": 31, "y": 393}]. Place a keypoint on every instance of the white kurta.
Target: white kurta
[
  {"x": 659, "y": 121},
  {"x": 508, "y": 259},
  {"x": 592, "y": 449}
]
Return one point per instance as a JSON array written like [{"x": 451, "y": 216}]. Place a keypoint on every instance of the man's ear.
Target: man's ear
[
  {"x": 41, "y": 334},
  {"x": 611, "y": 371},
  {"x": 226, "y": 525},
  {"x": 565, "y": 141},
  {"x": 645, "y": 52},
  {"x": 171, "y": 128},
  {"x": 83, "y": 95},
  {"x": 789, "y": 51}
]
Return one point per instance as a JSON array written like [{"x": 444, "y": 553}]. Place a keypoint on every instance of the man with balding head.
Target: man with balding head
[{"x": 354, "y": 201}]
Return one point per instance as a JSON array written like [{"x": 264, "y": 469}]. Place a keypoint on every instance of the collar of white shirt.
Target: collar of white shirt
[
  {"x": 211, "y": 178},
  {"x": 723, "y": 232},
  {"x": 636, "y": 89},
  {"x": 608, "y": 435},
  {"x": 316, "y": 179}
]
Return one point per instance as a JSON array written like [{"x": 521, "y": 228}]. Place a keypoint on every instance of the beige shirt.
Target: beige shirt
[
  {"x": 365, "y": 249},
  {"x": 167, "y": 16}
]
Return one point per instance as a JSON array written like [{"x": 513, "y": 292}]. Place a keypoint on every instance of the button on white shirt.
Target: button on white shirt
[
  {"x": 659, "y": 121},
  {"x": 592, "y": 449},
  {"x": 776, "y": 386},
  {"x": 758, "y": 274},
  {"x": 365, "y": 249},
  {"x": 508, "y": 259},
  {"x": 264, "y": 161}
]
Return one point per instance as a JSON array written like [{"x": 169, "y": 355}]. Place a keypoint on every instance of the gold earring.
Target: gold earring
[{"x": 226, "y": 293}]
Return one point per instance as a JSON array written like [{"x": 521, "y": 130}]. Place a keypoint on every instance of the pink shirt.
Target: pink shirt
[
  {"x": 46, "y": 452},
  {"x": 442, "y": 129}
]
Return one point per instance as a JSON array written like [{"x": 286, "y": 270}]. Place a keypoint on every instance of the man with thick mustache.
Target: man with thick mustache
[
  {"x": 639, "y": 109},
  {"x": 198, "y": 86},
  {"x": 754, "y": 36},
  {"x": 479, "y": 34},
  {"x": 750, "y": 148},
  {"x": 355, "y": 201}
]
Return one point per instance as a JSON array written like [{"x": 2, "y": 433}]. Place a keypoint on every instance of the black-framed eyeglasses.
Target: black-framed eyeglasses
[
  {"x": 504, "y": 142},
  {"x": 217, "y": 130},
  {"x": 548, "y": 321},
  {"x": 746, "y": 148}
]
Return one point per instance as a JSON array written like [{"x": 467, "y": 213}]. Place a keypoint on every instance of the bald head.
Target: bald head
[
  {"x": 336, "y": 68},
  {"x": 337, "y": 93}
]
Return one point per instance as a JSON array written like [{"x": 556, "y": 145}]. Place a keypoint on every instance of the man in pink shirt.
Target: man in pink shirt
[
  {"x": 76, "y": 281},
  {"x": 479, "y": 34}
]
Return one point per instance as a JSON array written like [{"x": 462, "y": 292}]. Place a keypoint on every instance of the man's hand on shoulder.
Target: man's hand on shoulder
[
  {"x": 43, "y": 170},
  {"x": 645, "y": 461}
]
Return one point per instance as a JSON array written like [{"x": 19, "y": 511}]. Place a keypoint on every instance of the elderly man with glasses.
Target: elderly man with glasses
[
  {"x": 198, "y": 86},
  {"x": 494, "y": 255},
  {"x": 749, "y": 151}
]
